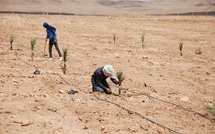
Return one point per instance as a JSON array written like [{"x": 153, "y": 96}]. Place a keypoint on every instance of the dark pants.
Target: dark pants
[
  {"x": 51, "y": 43},
  {"x": 96, "y": 87}
]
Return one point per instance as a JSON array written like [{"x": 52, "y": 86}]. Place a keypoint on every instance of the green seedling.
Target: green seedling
[
  {"x": 121, "y": 77},
  {"x": 211, "y": 109},
  {"x": 33, "y": 43},
  {"x": 143, "y": 38},
  {"x": 114, "y": 37},
  {"x": 11, "y": 41},
  {"x": 181, "y": 47},
  {"x": 65, "y": 54}
]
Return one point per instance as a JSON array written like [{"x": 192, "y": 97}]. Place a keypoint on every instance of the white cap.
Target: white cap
[{"x": 108, "y": 70}]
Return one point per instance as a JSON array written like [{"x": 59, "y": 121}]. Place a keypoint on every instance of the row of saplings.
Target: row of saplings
[{"x": 120, "y": 75}]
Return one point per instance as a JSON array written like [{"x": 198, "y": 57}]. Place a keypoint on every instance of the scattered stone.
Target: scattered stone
[
  {"x": 80, "y": 118},
  {"x": 129, "y": 95},
  {"x": 85, "y": 127},
  {"x": 26, "y": 123},
  {"x": 102, "y": 128},
  {"x": 100, "y": 120},
  {"x": 184, "y": 99},
  {"x": 130, "y": 112},
  {"x": 199, "y": 51},
  {"x": 160, "y": 132},
  {"x": 52, "y": 110},
  {"x": 15, "y": 82},
  {"x": 61, "y": 82},
  {"x": 31, "y": 95},
  {"x": 31, "y": 76},
  {"x": 61, "y": 91},
  {"x": 208, "y": 73},
  {"x": 14, "y": 94}
]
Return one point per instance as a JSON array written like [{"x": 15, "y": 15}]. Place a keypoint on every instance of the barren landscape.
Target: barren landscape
[{"x": 167, "y": 93}]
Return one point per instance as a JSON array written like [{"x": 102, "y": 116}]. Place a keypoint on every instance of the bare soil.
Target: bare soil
[{"x": 40, "y": 103}]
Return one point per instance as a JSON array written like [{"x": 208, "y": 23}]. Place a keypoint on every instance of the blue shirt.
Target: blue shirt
[{"x": 51, "y": 31}]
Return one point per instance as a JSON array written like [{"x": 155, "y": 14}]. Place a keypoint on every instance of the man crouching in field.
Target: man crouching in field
[{"x": 99, "y": 77}]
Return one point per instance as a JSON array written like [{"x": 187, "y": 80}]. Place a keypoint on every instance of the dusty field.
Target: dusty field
[{"x": 40, "y": 103}]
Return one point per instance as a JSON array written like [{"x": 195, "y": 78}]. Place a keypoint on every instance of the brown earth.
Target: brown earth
[{"x": 40, "y": 103}]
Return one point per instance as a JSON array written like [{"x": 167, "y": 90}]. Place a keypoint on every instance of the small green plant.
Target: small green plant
[
  {"x": 143, "y": 38},
  {"x": 11, "y": 41},
  {"x": 65, "y": 54},
  {"x": 211, "y": 109},
  {"x": 33, "y": 43},
  {"x": 181, "y": 47},
  {"x": 121, "y": 77},
  {"x": 114, "y": 37}
]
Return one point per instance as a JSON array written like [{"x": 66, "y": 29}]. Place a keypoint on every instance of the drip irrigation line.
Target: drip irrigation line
[
  {"x": 186, "y": 109},
  {"x": 130, "y": 111},
  {"x": 19, "y": 59},
  {"x": 171, "y": 130},
  {"x": 61, "y": 78}
]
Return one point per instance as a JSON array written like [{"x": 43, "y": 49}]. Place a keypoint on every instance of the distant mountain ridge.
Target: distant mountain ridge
[{"x": 109, "y": 7}]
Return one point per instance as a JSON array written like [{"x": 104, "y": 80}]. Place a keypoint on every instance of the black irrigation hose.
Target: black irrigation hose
[
  {"x": 171, "y": 130},
  {"x": 181, "y": 107},
  {"x": 129, "y": 111},
  {"x": 196, "y": 113}
]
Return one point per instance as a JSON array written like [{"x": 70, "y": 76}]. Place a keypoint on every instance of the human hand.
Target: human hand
[
  {"x": 107, "y": 90},
  {"x": 117, "y": 83},
  {"x": 55, "y": 41}
]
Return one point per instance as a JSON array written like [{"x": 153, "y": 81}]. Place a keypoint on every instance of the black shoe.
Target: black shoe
[{"x": 93, "y": 89}]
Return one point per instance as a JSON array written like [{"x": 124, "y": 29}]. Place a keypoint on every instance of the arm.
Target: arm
[
  {"x": 114, "y": 80},
  {"x": 47, "y": 36}
]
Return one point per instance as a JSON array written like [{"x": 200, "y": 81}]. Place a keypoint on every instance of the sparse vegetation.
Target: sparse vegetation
[
  {"x": 121, "y": 77},
  {"x": 181, "y": 47},
  {"x": 33, "y": 43},
  {"x": 114, "y": 37},
  {"x": 65, "y": 54},
  {"x": 143, "y": 38},
  {"x": 211, "y": 109},
  {"x": 11, "y": 41}
]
